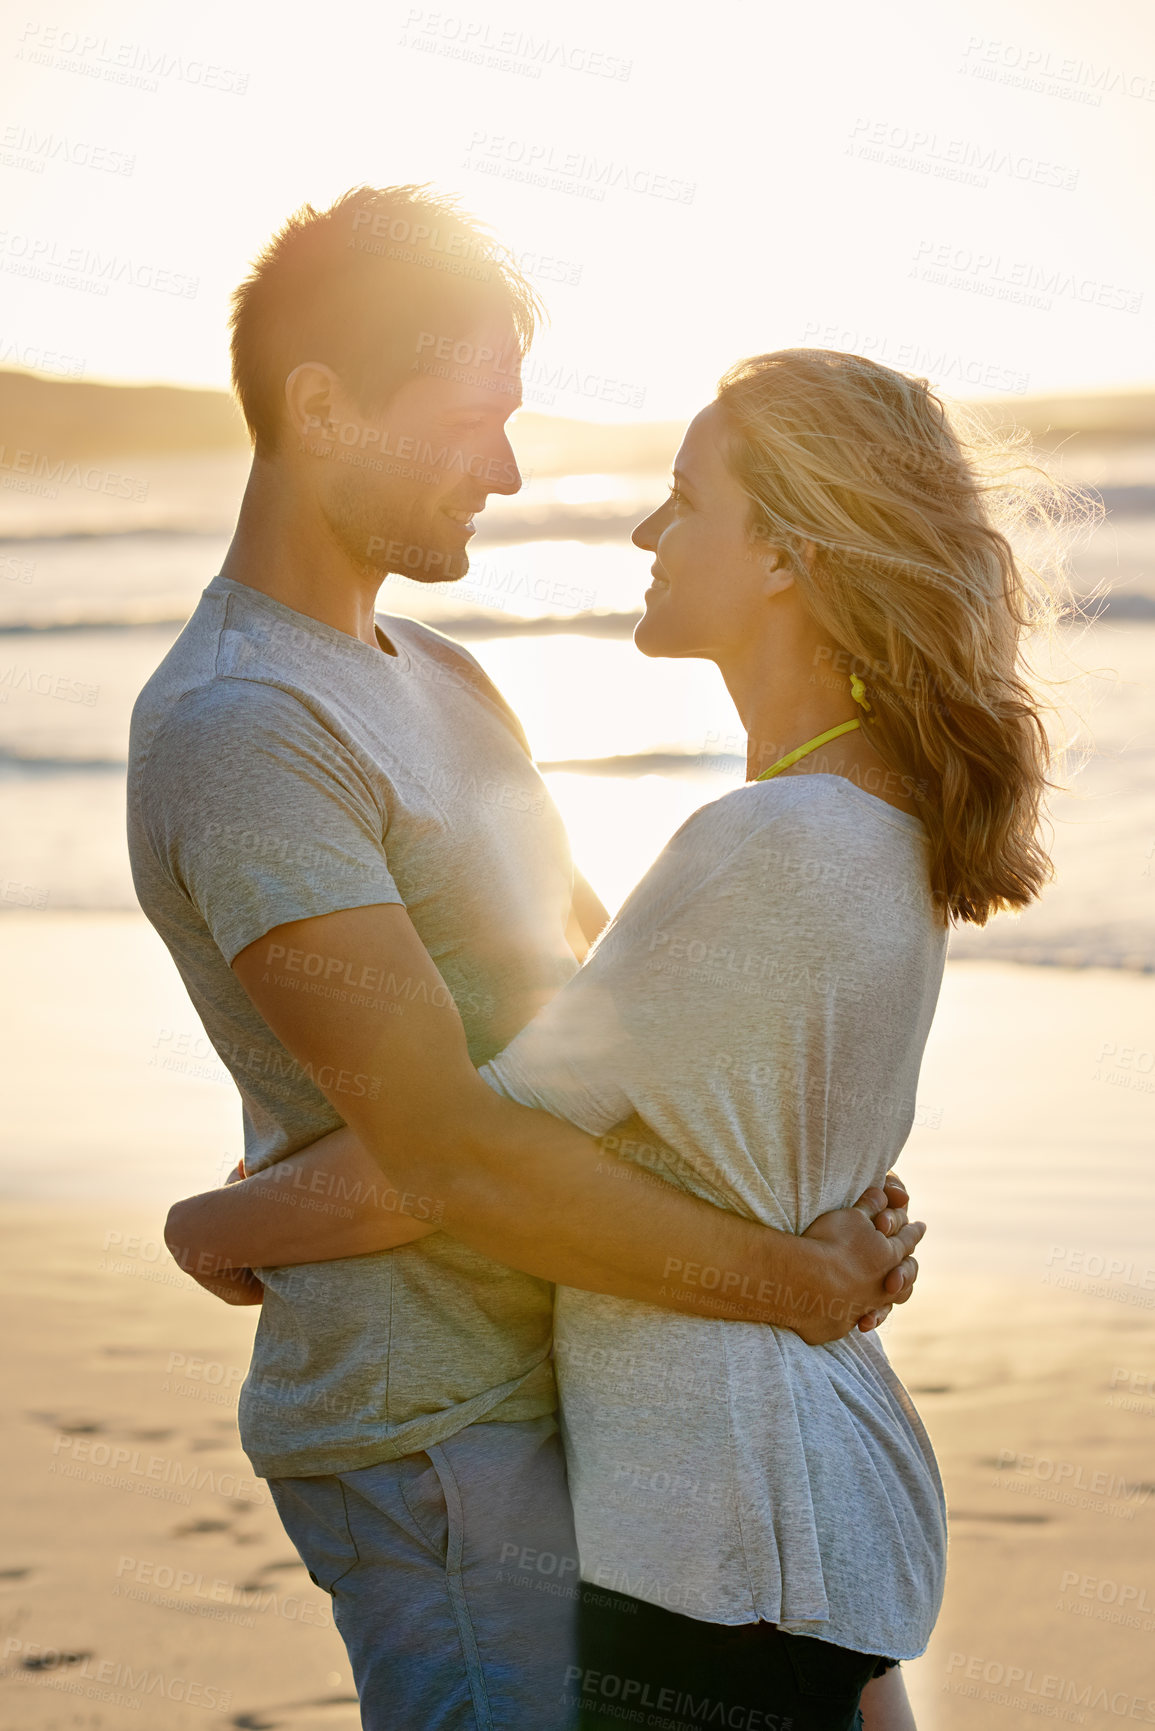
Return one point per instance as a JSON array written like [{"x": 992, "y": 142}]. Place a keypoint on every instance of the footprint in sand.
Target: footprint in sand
[
  {"x": 206, "y": 1525},
  {"x": 53, "y": 1660},
  {"x": 1015, "y": 1518},
  {"x": 315, "y": 1714},
  {"x": 69, "y": 1426},
  {"x": 256, "y": 1584}
]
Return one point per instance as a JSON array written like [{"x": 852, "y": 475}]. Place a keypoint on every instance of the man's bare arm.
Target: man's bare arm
[{"x": 520, "y": 1185}]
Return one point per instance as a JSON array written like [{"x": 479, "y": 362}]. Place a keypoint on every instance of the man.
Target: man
[{"x": 342, "y": 839}]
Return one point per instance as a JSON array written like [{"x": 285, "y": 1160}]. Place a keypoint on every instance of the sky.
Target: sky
[{"x": 959, "y": 190}]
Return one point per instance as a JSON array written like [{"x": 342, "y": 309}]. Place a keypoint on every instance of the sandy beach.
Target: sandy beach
[{"x": 146, "y": 1582}]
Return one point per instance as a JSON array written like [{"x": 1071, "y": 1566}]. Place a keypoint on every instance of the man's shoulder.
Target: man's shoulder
[
  {"x": 200, "y": 722},
  {"x": 193, "y": 704},
  {"x": 189, "y": 665}
]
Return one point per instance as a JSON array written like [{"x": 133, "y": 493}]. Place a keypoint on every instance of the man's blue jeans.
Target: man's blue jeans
[{"x": 454, "y": 1579}]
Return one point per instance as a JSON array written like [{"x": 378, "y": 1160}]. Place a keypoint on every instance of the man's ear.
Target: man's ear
[{"x": 311, "y": 393}]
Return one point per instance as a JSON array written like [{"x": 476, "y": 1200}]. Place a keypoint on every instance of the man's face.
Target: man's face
[{"x": 400, "y": 486}]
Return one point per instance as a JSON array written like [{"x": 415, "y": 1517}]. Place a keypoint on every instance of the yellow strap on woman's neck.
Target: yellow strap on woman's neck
[
  {"x": 858, "y": 693},
  {"x": 792, "y": 757}
]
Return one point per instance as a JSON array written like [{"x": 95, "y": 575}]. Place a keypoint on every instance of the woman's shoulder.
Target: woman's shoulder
[
  {"x": 769, "y": 845},
  {"x": 741, "y": 833},
  {"x": 804, "y": 839},
  {"x": 825, "y": 805}
]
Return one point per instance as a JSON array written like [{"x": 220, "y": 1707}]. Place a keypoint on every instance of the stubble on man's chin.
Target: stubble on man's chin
[
  {"x": 442, "y": 567},
  {"x": 381, "y": 549}
]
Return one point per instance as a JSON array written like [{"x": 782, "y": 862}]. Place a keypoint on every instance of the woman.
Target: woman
[{"x": 760, "y": 1522}]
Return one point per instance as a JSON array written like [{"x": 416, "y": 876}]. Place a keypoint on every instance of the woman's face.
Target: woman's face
[{"x": 710, "y": 579}]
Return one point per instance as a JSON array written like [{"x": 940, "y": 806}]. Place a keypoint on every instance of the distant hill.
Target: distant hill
[
  {"x": 74, "y": 418},
  {"x": 1123, "y": 415}
]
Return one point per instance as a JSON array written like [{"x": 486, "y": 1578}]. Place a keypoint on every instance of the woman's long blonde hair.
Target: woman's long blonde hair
[{"x": 896, "y": 526}]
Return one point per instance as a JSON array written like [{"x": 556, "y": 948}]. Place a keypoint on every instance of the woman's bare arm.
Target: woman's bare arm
[
  {"x": 329, "y": 1200},
  {"x": 232, "y": 1285}
]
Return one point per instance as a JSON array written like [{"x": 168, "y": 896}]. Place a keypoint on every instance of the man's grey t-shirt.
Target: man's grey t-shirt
[{"x": 281, "y": 769}]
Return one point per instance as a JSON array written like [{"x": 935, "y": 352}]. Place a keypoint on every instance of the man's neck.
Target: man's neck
[{"x": 287, "y": 553}]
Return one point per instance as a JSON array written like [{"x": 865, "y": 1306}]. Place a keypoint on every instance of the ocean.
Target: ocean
[{"x": 94, "y": 587}]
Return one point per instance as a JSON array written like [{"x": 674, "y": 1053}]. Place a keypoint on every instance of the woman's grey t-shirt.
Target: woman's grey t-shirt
[{"x": 761, "y": 1004}]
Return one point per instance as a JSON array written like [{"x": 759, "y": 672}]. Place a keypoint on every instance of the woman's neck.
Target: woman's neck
[
  {"x": 792, "y": 693},
  {"x": 786, "y": 691}
]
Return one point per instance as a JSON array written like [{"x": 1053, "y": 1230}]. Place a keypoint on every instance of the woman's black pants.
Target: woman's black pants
[{"x": 644, "y": 1666}]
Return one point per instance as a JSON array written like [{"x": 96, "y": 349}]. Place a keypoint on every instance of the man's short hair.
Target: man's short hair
[{"x": 357, "y": 285}]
